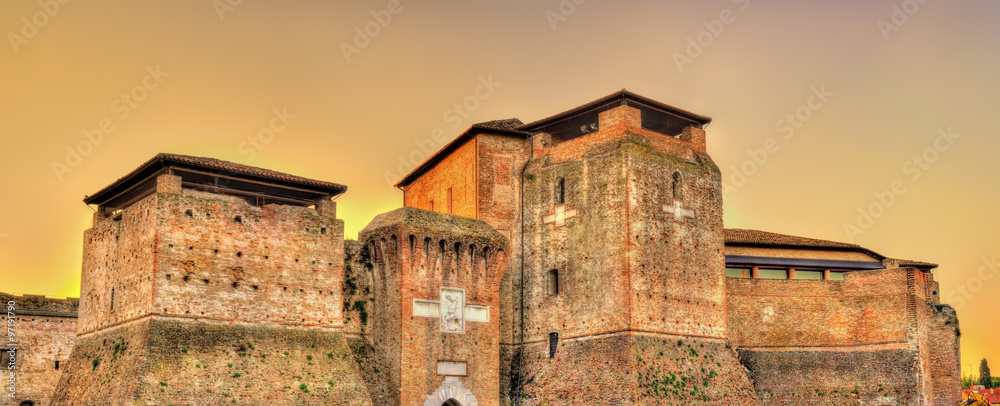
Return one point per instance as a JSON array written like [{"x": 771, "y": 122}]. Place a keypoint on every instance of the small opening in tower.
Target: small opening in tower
[
  {"x": 239, "y": 254},
  {"x": 553, "y": 281},
  {"x": 57, "y": 365},
  {"x": 413, "y": 246},
  {"x": 677, "y": 185},
  {"x": 458, "y": 253},
  {"x": 168, "y": 277},
  {"x": 254, "y": 287},
  {"x": 205, "y": 280},
  {"x": 553, "y": 344},
  {"x": 112, "y": 299},
  {"x": 189, "y": 213},
  {"x": 322, "y": 230},
  {"x": 236, "y": 285},
  {"x": 186, "y": 278},
  {"x": 238, "y": 219},
  {"x": 560, "y": 192}
]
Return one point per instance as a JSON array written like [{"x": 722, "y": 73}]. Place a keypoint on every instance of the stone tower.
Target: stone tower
[
  {"x": 211, "y": 282},
  {"x": 623, "y": 289},
  {"x": 436, "y": 284}
]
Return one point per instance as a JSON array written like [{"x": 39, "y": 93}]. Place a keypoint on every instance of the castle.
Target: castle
[{"x": 580, "y": 259}]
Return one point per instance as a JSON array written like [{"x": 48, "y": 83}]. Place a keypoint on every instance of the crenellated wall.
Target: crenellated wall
[{"x": 435, "y": 315}]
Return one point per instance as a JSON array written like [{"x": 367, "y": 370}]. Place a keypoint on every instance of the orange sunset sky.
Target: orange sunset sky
[{"x": 872, "y": 122}]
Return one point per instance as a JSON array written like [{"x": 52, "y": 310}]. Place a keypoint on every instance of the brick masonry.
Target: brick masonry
[
  {"x": 45, "y": 329},
  {"x": 193, "y": 297}
]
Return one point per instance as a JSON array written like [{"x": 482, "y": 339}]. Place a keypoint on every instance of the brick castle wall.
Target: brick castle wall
[{"x": 45, "y": 329}]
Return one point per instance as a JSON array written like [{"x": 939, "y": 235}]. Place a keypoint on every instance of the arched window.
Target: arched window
[
  {"x": 451, "y": 402},
  {"x": 553, "y": 282},
  {"x": 678, "y": 183},
  {"x": 560, "y": 192}
]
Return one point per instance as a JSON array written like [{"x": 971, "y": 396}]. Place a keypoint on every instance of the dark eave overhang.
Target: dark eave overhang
[
  {"x": 619, "y": 98},
  {"x": 215, "y": 176},
  {"x": 748, "y": 260}
]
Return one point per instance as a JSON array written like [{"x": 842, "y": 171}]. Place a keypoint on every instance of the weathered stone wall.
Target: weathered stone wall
[
  {"x": 456, "y": 174},
  {"x": 45, "y": 329},
  {"x": 184, "y": 362},
  {"x": 635, "y": 369},
  {"x": 220, "y": 258},
  {"x": 118, "y": 264},
  {"x": 866, "y": 308},
  {"x": 875, "y": 338},
  {"x": 870, "y": 375},
  {"x": 415, "y": 254}
]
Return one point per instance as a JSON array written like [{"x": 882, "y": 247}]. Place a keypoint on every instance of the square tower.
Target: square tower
[{"x": 200, "y": 275}]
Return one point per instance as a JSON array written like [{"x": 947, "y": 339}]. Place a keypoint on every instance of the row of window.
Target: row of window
[
  {"x": 560, "y": 189},
  {"x": 785, "y": 273}
]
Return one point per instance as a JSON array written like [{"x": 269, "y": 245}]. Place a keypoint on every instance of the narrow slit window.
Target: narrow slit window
[
  {"x": 553, "y": 344},
  {"x": 560, "y": 192},
  {"x": 112, "y": 299},
  {"x": 553, "y": 282},
  {"x": 678, "y": 184}
]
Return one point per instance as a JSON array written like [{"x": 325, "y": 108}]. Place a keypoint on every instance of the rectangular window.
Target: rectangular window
[
  {"x": 764, "y": 273},
  {"x": 739, "y": 273},
  {"x": 809, "y": 274},
  {"x": 837, "y": 276},
  {"x": 553, "y": 343}
]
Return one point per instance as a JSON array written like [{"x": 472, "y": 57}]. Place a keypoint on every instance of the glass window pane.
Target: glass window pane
[
  {"x": 741, "y": 273},
  {"x": 772, "y": 273},
  {"x": 809, "y": 274},
  {"x": 837, "y": 276}
]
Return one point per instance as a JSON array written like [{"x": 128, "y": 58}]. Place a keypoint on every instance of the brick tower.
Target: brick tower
[
  {"x": 623, "y": 283},
  {"x": 436, "y": 283},
  {"x": 211, "y": 282}
]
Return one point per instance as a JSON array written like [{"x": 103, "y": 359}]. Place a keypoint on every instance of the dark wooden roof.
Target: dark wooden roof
[
  {"x": 205, "y": 173},
  {"x": 757, "y": 238},
  {"x": 620, "y": 98}
]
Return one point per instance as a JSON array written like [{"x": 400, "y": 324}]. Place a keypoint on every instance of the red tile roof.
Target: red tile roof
[
  {"x": 992, "y": 395},
  {"x": 738, "y": 236}
]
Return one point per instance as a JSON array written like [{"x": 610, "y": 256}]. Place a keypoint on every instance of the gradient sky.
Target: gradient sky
[{"x": 895, "y": 76}]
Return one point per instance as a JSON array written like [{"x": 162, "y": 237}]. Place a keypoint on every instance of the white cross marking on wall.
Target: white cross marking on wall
[
  {"x": 452, "y": 310},
  {"x": 678, "y": 211},
  {"x": 560, "y": 215}
]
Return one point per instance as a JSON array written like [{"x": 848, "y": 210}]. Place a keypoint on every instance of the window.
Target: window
[
  {"x": 837, "y": 276},
  {"x": 57, "y": 365},
  {"x": 739, "y": 273},
  {"x": 809, "y": 274},
  {"x": 772, "y": 273},
  {"x": 431, "y": 206},
  {"x": 553, "y": 344},
  {"x": 553, "y": 282},
  {"x": 112, "y": 299},
  {"x": 677, "y": 185},
  {"x": 560, "y": 192}
]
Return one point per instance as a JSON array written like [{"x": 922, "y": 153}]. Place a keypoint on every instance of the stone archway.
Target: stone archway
[{"x": 451, "y": 393}]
